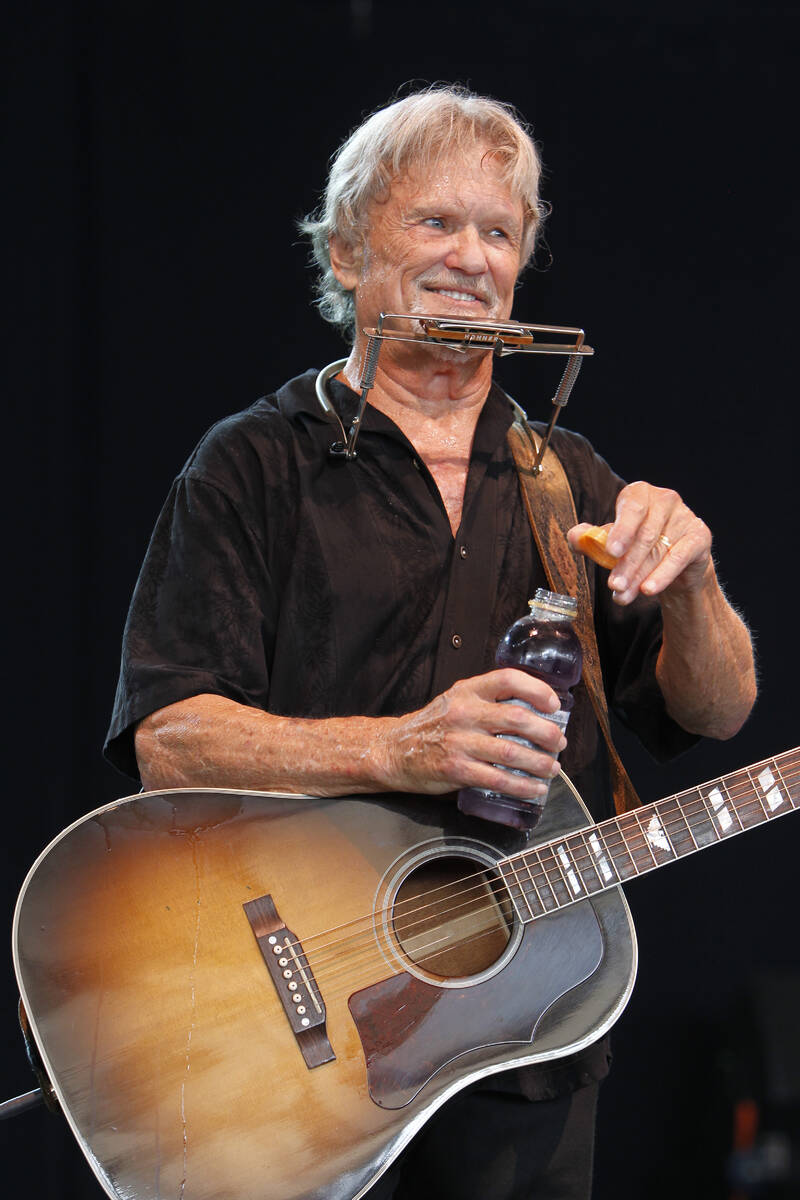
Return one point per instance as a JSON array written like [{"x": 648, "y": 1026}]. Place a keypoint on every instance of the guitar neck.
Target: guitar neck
[{"x": 567, "y": 869}]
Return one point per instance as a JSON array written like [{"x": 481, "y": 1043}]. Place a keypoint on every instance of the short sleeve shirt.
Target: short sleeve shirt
[{"x": 289, "y": 580}]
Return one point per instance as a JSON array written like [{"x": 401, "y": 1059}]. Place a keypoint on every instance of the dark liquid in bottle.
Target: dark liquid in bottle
[
  {"x": 545, "y": 645},
  {"x": 547, "y": 648}
]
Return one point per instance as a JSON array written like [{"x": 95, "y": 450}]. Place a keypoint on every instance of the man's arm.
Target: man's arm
[
  {"x": 705, "y": 668},
  {"x": 211, "y": 741}
]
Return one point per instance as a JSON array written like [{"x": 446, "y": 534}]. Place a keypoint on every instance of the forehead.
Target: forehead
[{"x": 466, "y": 178}]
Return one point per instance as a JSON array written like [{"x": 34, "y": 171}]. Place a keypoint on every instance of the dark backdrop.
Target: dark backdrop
[{"x": 157, "y": 157}]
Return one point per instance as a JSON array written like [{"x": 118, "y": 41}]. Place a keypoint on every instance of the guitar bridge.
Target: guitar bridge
[{"x": 293, "y": 979}]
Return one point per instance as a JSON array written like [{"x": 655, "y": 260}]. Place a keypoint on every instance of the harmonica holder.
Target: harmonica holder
[{"x": 497, "y": 337}]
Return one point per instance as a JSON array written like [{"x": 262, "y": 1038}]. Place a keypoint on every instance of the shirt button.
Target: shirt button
[
  {"x": 462, "y": 550},
  {"x": 456, "y": 640}
]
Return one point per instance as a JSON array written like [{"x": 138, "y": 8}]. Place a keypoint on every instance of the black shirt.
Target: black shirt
[{"x": 290, "y": 581}]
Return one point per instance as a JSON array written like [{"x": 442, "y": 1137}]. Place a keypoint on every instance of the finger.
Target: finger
[
  {"x": 473, "y": 758},
  {"x": 510, "y": 766},
  {"x": 630, "y": 577},
  {"x": 517, "y": 754},
  {"x": 478, "y": 702},
  {"x": 510, "y": 733},
  {"x": 574, "y": 534},
  {"x": 592, "y": 540},
  {"x": 642, "y": 513},
  {"x": 686, "y": 559},
  {"x": 508, "y": 683},
  {"x": 645, "y": 517},
  {"x": 495, "y": 779},
  {"x": 516, "y": 719}
]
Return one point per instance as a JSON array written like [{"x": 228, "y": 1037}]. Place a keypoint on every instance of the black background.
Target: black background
[{"x": 157, "y": 156}]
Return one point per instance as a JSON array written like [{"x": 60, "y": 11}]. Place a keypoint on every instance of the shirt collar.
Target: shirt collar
[{"x": 298, "y": 402}]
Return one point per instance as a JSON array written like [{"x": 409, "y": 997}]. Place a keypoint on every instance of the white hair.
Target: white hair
[{"x": 418, "y": 130}]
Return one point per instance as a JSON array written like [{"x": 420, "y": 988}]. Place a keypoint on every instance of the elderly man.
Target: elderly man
[{"x": 313, "y": 625}]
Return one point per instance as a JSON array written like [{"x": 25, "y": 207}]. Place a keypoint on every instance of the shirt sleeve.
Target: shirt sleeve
[{"x": 202, "y": 616}]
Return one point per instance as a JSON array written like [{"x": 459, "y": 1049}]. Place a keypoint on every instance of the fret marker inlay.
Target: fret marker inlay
[
  {"x": 724, "y": 818},
  {"x": 656, "y": 836},
  {"x": 770, "y": 789},
  {"x": 572, "y": 878},
  {"x": 602, "y": 861}
]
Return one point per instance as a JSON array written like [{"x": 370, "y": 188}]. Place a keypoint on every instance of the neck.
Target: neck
[
  {"x": 419, "y": 385},
  {"x": 598, "y": 857},
  {"x": 435, "y": 396}
]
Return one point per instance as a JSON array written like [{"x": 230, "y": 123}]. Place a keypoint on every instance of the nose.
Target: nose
[{"x": 467, "y": 253}]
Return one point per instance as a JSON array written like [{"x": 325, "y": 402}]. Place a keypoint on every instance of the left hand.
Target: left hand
[{"x": 659, "y": 543}]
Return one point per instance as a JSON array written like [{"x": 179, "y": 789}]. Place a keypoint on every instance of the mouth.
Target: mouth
[{"x": 462, "y": 297}]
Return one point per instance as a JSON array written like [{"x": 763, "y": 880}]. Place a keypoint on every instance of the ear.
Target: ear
[{"x": 345, "y": 261}]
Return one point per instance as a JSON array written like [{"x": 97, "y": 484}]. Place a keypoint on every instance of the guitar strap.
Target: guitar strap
[{"x": 550, "y": 506}]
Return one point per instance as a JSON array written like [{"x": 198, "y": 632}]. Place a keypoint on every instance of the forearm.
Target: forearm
[
  {"x": 706, "y": 668},
  {"x": 210, "y": 741}
]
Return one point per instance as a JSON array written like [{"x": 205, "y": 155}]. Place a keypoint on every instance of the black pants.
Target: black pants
[{"x": 484, "y": 1145}]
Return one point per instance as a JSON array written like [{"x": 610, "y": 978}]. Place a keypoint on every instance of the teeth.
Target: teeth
[{"x": 457, "y": 295}]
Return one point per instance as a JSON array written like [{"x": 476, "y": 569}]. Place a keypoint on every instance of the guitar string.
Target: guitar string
[
  {"x": 335, "y": 982},
  {"x": 558, "y": 886},
  {"x": 368, "y": 956},
  {"x": 624, "y": 839},
  {"x": 574, "y": 835},
  {"x": 438, "y": 932},
  {"x": 340, "y": 982},
  {"x": 421, "y": 955},
  {"x": 558, "y": 903}
]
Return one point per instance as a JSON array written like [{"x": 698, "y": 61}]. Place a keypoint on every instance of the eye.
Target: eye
[
  {"x": 497, "y": 232},
  {"x": 434, "y": 222}
]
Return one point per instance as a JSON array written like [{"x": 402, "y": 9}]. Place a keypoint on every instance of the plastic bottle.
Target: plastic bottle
[{"x": 544, "y": 644}]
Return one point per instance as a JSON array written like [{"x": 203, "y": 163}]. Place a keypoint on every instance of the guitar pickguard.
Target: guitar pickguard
[{"x": 411, "y": 1030}]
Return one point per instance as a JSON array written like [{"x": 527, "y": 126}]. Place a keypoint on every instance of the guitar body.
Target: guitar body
[{"x": 183, "y": 1063}]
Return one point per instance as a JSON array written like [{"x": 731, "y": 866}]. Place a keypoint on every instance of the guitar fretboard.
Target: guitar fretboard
[{"x": 580, "y": 864}]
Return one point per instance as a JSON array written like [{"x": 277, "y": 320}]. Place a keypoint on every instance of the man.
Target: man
[{"x": 312, "y": 625}]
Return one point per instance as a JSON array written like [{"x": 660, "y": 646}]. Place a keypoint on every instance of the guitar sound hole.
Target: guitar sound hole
[{"x": 452, "y": 917}]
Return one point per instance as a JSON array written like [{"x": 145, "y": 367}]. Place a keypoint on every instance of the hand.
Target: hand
[
  {"x": 452, "y": 742},
  {"x": 658, "y": 541}
]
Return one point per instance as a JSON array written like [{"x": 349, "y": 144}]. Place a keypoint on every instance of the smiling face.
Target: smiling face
[{"x": 447, "y": 240}]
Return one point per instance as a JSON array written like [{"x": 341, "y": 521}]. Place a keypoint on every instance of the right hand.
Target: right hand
[{"x": 452, "y": 742}]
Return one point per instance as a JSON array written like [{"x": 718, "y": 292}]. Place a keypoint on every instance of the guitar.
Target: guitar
[{"x": 263, "y": 997}]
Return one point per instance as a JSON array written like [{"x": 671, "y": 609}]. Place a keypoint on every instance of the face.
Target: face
[{"x": 446, "y": 241}]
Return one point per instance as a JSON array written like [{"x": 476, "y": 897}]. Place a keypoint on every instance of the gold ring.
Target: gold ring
[{"x": 665, "y": 542}]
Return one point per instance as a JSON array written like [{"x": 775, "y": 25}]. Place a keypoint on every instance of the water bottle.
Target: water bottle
[{"x": 544, "y": 644}]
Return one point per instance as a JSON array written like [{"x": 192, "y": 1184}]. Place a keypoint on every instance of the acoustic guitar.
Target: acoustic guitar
[{"x": 252, "y": 996}]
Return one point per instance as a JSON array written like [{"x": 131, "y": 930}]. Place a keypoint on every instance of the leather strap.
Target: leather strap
[{"x": 551, "y": 511}]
